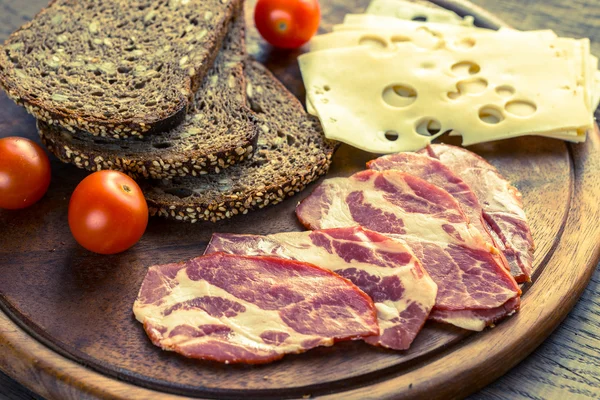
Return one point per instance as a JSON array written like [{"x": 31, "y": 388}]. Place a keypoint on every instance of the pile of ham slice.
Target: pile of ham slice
[{"x": 437, "y": 235}]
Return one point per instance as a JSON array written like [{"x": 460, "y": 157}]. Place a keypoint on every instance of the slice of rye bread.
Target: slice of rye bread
[
  {"x": 115, "y": 68},
  {"x": 219, "y": 131},
  {"x": 292, "y": 152}
]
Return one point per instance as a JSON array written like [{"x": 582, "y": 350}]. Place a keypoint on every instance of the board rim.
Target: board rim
[{"x": 54, "y": 375}]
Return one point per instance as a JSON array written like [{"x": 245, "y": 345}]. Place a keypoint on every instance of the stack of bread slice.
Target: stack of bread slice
[{"x": 165, "y": 92}]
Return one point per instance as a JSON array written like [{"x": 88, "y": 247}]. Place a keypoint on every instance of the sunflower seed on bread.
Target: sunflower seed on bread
[
  {"x": 292, "y": 152},
  {"x": 219, "y": 131},
  {"x": 114, "y": 68}
]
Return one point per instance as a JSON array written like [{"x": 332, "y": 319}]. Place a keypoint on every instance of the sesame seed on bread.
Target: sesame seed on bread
[
  {"x": 291, "y": 153},
  {"x": 114, "y": 68},
  {"x": 219, "y": 131}
]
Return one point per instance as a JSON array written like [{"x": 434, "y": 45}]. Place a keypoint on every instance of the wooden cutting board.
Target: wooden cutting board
[{"x": 67, "y": 330}]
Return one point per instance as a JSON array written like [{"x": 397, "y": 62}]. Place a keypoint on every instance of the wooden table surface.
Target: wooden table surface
[{"x": 567, "y": 365}]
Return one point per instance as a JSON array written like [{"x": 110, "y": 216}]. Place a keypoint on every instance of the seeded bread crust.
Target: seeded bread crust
[
  {"x": 292, "y": 152},
  {"x": 219, "y": 131},
  {"x": 114, "y": 68}
]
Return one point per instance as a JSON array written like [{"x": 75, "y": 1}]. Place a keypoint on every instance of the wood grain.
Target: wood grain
[
  {"x": 567, "y": 364},
  {"x": 548, "y": 214},
  {"x": 11, "y": 390}
]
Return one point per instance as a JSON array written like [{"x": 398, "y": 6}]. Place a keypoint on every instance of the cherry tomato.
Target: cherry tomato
[
  {"x": 108, "y": 212},
  {"x": 24, "y": 173},
  {"x": 287, "y": 23}
]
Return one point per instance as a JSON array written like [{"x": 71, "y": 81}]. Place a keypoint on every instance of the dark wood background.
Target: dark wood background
[{"x": 567, "y": 365}]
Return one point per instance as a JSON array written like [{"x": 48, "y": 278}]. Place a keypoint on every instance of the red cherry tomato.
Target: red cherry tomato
[
  {"x": 108, "y": 212},
  {"x": 24, "y": 173},
  {"x": 287, "y": 23}
]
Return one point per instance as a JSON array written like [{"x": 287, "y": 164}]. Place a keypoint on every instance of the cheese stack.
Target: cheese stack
[{"x": 385, "y": 84}]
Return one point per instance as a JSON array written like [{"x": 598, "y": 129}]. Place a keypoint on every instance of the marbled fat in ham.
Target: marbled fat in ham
[
  {"x": 432, "y": 223},
  {"x": 242, "y": 309},
  {"x": 502, "y": 205},
  {"x": 436, "y": 173},
  {"x": 384, "y": 268}
]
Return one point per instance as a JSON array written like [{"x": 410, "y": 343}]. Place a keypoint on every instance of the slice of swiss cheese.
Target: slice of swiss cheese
[
  {"x": 383, "y": 20},
  {"x": 361, "y": 93},
  {"x": 424, "y": 36},
  {"x": 361, "y": 21},
  {"x": 414, "y": 11},
  {"x": 429, "y": 35}
]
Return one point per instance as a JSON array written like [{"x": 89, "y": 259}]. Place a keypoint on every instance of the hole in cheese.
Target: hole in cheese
[
  {"x": 453, "y": 95},
  {"x": 521, "y": 108},
  {"x": 491, "y": 115},
  {"x": 505, "y": 90},
  {"x": 373, "y": 41},
  {"x": 421, "y": 18},
  {"x": 392, "y": 136},
  {"x": 465, "y": 43},
  {"x": 472, "y": 86},
  {"x": 428, "y": 127},
  {"x": 465, "y": 68},
  {"x": 399, "y": 95}
]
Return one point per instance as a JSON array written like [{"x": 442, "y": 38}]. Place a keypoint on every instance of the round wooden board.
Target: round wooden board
[{"x": 72, "y": 333}]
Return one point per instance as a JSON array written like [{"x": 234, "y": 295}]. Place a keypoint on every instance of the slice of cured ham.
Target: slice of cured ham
[
  {"x": 239, "y": 309},
  {"x": 466, "y": 317},
  {"x": 382, "y": 267},
  {"x": 436, "y": 173},
  {"x": 432, "y": 223},
  {"x": 502, "y": 205}
]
